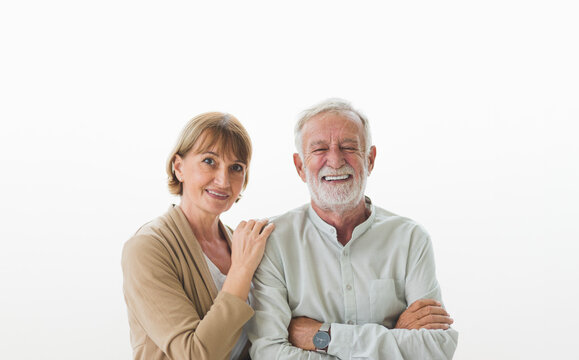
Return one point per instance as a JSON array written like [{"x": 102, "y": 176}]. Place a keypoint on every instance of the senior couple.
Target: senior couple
[{"x": 338, "y": 278}]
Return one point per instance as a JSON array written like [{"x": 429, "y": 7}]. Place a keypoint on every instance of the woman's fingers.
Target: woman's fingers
[
  {"x": 252, "y": 232},
  {"x": 267, "y": 230},
  {"x": 250, "y": 225},
  {"x": 257, "y": 226},
  {"x": 248, "y": 244}
]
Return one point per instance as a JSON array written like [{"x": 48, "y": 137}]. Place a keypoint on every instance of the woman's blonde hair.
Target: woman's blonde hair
[{"x": 202, "y": 133}]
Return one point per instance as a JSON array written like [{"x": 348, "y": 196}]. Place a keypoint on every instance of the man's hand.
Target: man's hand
[
  {"x": 301, "y": 332},
  {"x": 424, "y": 314}
]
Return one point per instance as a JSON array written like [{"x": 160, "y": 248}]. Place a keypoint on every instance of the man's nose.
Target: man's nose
[{"x": 335, "y": 157}]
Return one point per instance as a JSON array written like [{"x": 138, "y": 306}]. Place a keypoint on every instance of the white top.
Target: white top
[
  {"x": 219, "y": 279},
  {"x": 361, "y": 288}
]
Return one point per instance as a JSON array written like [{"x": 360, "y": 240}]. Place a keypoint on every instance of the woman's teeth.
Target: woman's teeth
[{"x": 217, "y": 194}]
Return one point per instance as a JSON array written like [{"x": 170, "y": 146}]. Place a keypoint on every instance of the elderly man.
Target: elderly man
[{"x": 339, "y": 273}]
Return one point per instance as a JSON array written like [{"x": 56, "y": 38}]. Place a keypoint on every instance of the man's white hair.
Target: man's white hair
[{"x": 335, "y": 105}]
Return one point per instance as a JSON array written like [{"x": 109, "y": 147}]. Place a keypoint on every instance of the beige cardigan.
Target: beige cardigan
[{"x": 175, "y": 311}]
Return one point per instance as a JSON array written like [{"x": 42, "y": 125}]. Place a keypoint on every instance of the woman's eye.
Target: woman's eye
[
  {"x": 209, "y": 161},
  {"x": 237, "y": 168}
]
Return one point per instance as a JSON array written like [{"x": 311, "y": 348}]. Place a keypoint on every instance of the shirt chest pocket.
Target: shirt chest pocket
[{"x": 386, "y": 302}]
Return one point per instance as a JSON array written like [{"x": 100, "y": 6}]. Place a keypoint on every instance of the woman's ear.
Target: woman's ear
[{"x": 178, "y": 167}]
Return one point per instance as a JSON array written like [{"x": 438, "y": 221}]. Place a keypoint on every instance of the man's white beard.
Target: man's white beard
[{"x": 340, "y": 196}]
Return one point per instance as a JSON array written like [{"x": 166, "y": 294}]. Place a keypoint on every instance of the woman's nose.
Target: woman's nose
[{"x": 222, "y": 176}]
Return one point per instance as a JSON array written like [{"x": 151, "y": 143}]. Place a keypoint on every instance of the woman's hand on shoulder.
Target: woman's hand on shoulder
[
  {"x": 247, "y": 247},
  {"x": 248, "y": 244}
]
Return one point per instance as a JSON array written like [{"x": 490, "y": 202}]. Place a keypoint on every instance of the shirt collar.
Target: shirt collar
[{"x": 330, "y": 231}]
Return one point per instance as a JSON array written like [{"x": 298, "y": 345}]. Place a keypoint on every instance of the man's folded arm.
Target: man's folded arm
[
  {"x": 374, "y": 341},
  {"x": 268, "y": 329},
  {"x": 412, "y": 337}
]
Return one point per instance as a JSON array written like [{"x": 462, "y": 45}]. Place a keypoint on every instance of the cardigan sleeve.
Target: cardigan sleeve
[{"x": 156, "y": 298}]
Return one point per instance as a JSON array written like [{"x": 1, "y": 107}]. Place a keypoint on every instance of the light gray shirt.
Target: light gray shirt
[{"x": 360, "y": 288}]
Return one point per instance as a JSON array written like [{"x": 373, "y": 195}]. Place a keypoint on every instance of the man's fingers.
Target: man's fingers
[
  {"x": 430, "y": 310},
  {"x": 436, "y": 326},
  {"x": 418, "y": 304},
  {"x": 410, "y": 325},
  {"x": 424, "y": 313},
  {"x": 435, "y": 319}
]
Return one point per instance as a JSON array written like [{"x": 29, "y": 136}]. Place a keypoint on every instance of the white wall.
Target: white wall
[{"x": 474, "y": 112}]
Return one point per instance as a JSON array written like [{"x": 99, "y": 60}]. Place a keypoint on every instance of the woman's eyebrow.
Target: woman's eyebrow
[{"x": 210, "y": 152}]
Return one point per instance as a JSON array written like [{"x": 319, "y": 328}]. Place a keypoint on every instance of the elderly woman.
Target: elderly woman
[{"x": 186, "y": 275}]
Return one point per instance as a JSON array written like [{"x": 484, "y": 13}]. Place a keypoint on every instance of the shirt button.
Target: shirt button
[{"x": 348, "y": 287}]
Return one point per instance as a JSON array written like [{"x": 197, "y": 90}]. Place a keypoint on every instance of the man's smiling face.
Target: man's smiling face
[{"x": 333, "y": 162}]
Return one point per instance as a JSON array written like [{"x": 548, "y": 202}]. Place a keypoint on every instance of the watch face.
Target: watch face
[{"x": 321, "y": 340}]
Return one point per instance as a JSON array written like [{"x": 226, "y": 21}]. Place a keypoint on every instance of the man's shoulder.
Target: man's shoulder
[
  {"x": 287, "y": 227},
  {"x": 386, "y": 218},
  {"x": 387, "y": 215},
  {"x": 290, "y": 219}
]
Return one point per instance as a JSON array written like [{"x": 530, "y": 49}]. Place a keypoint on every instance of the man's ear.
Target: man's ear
[
  {"x": 371, "y": 158},
  {"x": 299, "y": 166}
]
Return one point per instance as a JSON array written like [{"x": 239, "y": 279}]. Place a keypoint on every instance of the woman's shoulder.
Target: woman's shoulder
[{"x": 154, "y": 235}]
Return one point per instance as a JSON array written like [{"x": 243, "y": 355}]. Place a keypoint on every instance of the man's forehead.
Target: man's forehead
[{"x": 334, "y": 126}]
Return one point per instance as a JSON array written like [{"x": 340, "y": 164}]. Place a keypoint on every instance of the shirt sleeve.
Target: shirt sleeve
[
  {"x": 268, "y": 329},
  {"x": 157, "y": 300},
  {"x": 374, "y": 341}
]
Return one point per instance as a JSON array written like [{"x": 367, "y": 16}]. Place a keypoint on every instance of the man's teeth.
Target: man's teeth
[
  {"x": 214, "y": 193},
  {"x": 337, "y": 177}
]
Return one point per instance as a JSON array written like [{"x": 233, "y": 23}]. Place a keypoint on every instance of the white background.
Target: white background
[{"x": 474, "y": 109}]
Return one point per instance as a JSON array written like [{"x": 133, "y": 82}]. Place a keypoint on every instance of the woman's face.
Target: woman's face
[{"x": 211, "y": 180}]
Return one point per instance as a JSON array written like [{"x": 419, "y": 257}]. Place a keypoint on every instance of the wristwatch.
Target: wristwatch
[{"x": 322, "y": 338}]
